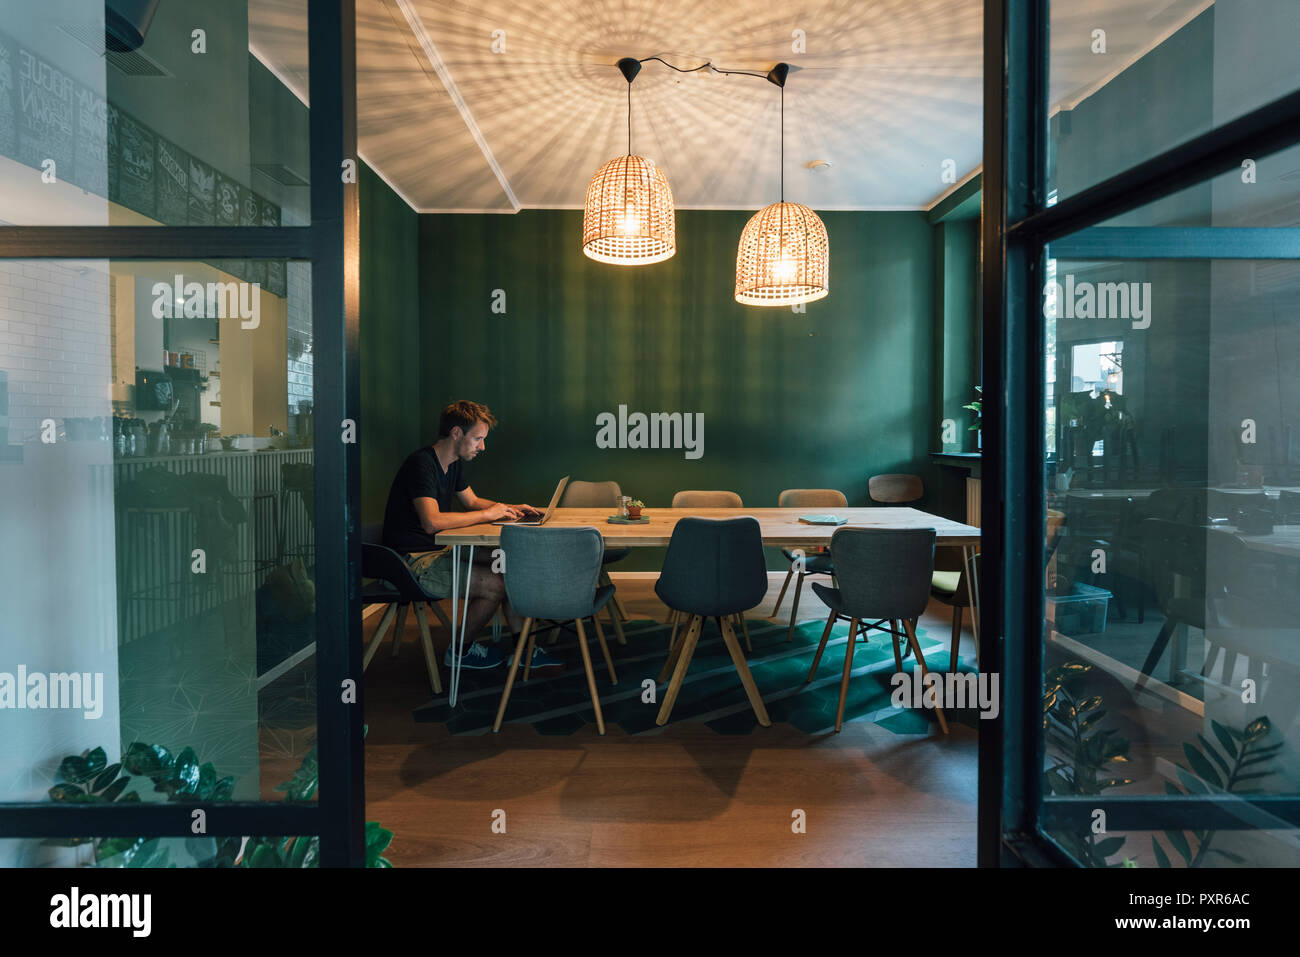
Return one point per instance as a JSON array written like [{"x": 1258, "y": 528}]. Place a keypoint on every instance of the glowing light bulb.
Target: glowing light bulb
[
  {"x": 630, "y": 224},
  {"x": 785, "y": 269}
]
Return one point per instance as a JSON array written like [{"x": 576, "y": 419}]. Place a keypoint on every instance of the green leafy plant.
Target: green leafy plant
[
  {"x": 976, "y": 406},
  {"x": 1084, "y": 752},
  {"x": 88, "y": 778},
  {"x": 1226, "y": 772}
]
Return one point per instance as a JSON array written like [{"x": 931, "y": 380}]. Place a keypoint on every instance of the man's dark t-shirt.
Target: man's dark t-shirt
[{"x": 421, "y": 476}]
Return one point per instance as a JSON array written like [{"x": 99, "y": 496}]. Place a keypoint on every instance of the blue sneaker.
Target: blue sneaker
[
  {"x": 541, "y": 660},
  {"x": 477, "y": 657}
]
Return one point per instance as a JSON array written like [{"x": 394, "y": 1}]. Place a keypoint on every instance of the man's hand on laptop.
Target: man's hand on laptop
[
  {"x": 499, "y": 510},
  {"x": 527, "y": 511}
]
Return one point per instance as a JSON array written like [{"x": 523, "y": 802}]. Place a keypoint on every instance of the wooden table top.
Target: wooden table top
[{"x": 780, "y": 526}]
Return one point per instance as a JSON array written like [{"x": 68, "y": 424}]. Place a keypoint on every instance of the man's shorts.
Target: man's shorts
[{"x": 433, "y": 571}]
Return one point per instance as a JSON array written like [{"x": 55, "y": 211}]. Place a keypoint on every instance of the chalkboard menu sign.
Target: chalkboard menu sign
[
  {"x": 276, "y": 274},
  {"x": 173, "y": 199},
  {"x": 45, "y": 114},
  {"x": 8, "y": 117},
  {"x": 203, "y": 194},
  {"x": 136, "y": 165},
  {"x": 91, "y": 172}
]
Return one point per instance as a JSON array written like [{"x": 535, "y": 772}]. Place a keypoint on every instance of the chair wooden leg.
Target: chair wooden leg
[
  {"x": 817, "y": 658},
  {"x": 618, "y": 624},
  {"x": 591, "y": 676},
  {"x": 426, "y": 640},
  {"x": 956, "y": 638},
  {"x": 436, "y": 608},
  {"x": 604, "y": 649},
  {"x": 746, "y": 678},
  {"x": 399, "y": 631},
  {"x": 895, "y": 629},
  {"x": 784, "y": 585},
  {"x": 920, "y": 663},
  {"x": 848, "y": 670},
  {"x": 744, "y": 627},
  {"x": 794, "y": 608},
  {"x": 524, "y": 638},
  {"x": 389, "y": 614},
  {"x": 674, "y": 650},
  {"x": 683, "y": 658},
  {"x": 672, "y": 638}
]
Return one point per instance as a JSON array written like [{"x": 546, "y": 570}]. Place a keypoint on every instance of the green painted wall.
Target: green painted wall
[
  {"x": 823, "y": 399},
  {"x": 391, "y": 366}
]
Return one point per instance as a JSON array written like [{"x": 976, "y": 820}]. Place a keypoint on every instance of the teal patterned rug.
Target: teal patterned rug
[{"x": 559, "y": 703}]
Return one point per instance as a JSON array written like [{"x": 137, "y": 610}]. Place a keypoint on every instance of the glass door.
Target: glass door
[{"x": 1148, "y": 229}]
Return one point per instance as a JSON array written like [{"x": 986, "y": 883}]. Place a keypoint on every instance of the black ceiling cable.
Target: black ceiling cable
[{"x": 707, "y": 64}]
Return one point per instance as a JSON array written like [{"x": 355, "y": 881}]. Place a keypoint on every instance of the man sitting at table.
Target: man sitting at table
[{"x": 420, "y": 505}]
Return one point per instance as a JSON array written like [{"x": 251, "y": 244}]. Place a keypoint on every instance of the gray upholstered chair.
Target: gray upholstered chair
[
  {"x": 714, "y": 569},
  {"x": 884, "y": 575},
  {"x": 816, "y": 563},
  {"x": 552, "y": 574},
  {"x": 579, "y": 494},
  {"x": 950, "y": 588},
  {"x": 711, "y": 499},
  {"x": 695, "y": 498},
  {"x": 895, "y": 488}
]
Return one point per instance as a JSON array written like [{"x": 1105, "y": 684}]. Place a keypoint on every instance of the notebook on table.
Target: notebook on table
[{"x": 555, "y": 500}]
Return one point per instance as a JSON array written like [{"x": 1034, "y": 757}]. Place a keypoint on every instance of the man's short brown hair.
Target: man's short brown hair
[{"x": 464, "y": 413}]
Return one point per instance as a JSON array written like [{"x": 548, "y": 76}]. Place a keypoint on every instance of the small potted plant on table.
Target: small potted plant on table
[{"x": 634, "y": 509}]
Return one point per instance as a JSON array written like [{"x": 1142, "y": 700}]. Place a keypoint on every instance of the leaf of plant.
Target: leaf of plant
[
  {"x": 1214, "y": 753},
  {"x": 1180, "y": 844},
  {"x": 1115, "y": 782},
  {"x": 73, "y": 769},
  {"x": 148, "y": 854},
  {"x": 106, "y": 777},
  {"x": 66, "y": 792},
  {"x": 223, "y": 789},
  {"x": 1090, "y": 704},
  {"x": 265, "y": 855},
  {"x": 1257, "y": 729},
  {"x": 1225, "y": 738},
  {"x": 1093, "y": 717},
  {"x": 1162, "y": 860},
  {"x": 207, "y": 781},
  {"x": 1253, "y": 775},
  {"x": 379, "y": 837},
  {"x": 186, "y": 773},
  {"x": 142, "y": 759},
  {"x": 1201, "y": 766},
  {"x": 1108, "y": 846},
  {"x": 1171, "y": 788},
  {"x": 112, "y": 792}
]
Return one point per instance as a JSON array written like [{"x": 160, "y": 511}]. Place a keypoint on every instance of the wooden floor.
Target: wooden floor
[{"x": 686, "y": 797}]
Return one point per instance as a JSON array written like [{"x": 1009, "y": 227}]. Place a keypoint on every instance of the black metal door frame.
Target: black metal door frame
[
  {"x": 1017, "y": 224},
  {"x": 332, "y": 245}
]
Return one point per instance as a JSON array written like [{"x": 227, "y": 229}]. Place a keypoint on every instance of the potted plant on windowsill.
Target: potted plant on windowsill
[{"x": 977, "y": 406}]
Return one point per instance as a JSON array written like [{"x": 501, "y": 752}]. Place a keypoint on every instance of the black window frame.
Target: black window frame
[
  {"x": 332, "y": 245},
  {"x": 1016, "y": 226}
]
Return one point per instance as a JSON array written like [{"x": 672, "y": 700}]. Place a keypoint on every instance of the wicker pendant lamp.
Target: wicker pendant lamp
[
  {"x": 629, "y": 218},
  {"x": 784, "y": 255}
]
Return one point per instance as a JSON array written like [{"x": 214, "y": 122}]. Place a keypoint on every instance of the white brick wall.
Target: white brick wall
[{"x": 54, "y": 342}]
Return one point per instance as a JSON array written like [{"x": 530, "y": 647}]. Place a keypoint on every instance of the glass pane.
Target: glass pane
[
  {"x": 1130, "y": 79},
  {"x": 108, "y": 852},
  {"x": 200, "y": 123},
  {"x": 1173, "y": 527},
  {"x": 156, "y": 449}
]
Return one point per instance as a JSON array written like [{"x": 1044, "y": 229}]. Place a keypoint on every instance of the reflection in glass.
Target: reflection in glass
[{"x": 156, "y": 461}]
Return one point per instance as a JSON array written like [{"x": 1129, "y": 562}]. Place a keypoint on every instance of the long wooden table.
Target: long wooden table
[{"x": 780, "y": 527}]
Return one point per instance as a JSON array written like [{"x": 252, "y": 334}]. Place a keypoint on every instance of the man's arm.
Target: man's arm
[
  {"x": 472, "y": 501},
  {"x": 434, "y": 520}
]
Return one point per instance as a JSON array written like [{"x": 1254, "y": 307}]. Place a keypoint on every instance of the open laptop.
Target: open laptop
[{"x": 555, "y": 500}]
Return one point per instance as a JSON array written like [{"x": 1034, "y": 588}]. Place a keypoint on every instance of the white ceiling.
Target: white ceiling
[{"x": 887, "y": 90}]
